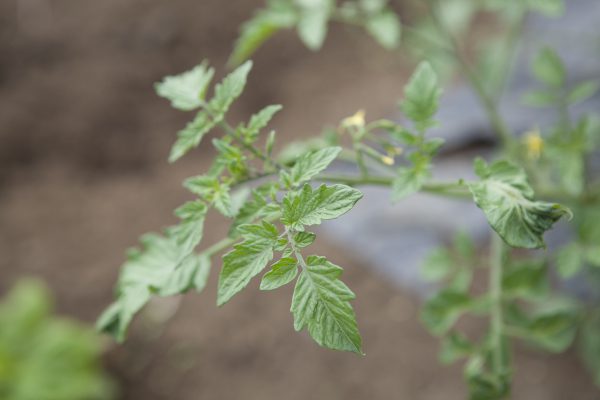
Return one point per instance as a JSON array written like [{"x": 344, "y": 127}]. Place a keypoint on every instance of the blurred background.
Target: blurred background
[{"x": 83, "y": 172}]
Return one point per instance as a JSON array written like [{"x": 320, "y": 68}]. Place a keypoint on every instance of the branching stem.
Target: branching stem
[{"x": 489, "y": 105}]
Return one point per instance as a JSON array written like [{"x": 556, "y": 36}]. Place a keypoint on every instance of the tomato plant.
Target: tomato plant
[{"x": 274, "y": 201}]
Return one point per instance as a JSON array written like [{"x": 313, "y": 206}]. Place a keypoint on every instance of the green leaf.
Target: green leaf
[
  {"x": 549, "y": 69},
  {"x": 409, "y": 181},
  {"x": 432, "y": 146},
  {"x": 246, "y": 260},
  {"x": 304, "y": 239},
  {"x": 190, "y": 136},
  {"x": 454, "y": 347},
  {"x": 255, "y": 207},
  {"x": 456, "y": 15},
  {"x": 312, "y": 22},
  {"x": 210, "y": 189},
  {"x": 553, "y": 331},
  {"x": 184, "y": 276},
  {"x": 385, "y": 28},
  {"x": 372, "y": 6},
  {"x": 551, "y": 8},
  {"x": 46, "y": 356},
  {"x": 228, "y": 90},
  {"x": 186, "y": 91},
  {"x": 321, "y": 302},
  {"x": 201, "y": 276},
  {"x": 309, "y": 165},
  {"x": 506, "y": 198},
  {"x": 282, "y": 272},
  {"x": 569, "y": 260},
  {"x": 583, "y": 91},
  {"x": 438, "y": 265},
  {"x": 259, "y": 121},
  {"x": 262, "y": 231},
  {"x": 526, "y": 280},
  {"x": 421, "y": 96},
  {"x": 189, "y": 232},
  {"x": 464, "y": 246},
  {"x": 156, "y": 268},
  {"x": 222, "y": 201},
  {"x": 441, "y": 311},
  {"x": 310, "y": 207},
  {"x": 592, "y": 255},
  {"x": 264, "y": 24},
  {"x": 540, "y": 98}
]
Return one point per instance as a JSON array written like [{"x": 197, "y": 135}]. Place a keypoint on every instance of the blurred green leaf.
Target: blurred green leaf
[
  {"x": 569, "y": 260},
  {"x": 506, "y": 198},
  {"x": 409, "y": 180},
  {"x": 186, "y": 91},
  {"x": 549, "y": 69},
  {"x": 312, "y": 21},
  {"x": 525, "y": 279},
  {"x": 441, "y": 311},
  {"x": 385, "y": 27},
  {"x": 454, "y": 347},
  {"x": 264, "y": 24},
  {"x": 438, "y": 265},
  {"x": 44, "y": 357},
  {"x": 421, "y": 96},
  {"x": 583, "y": 91}
]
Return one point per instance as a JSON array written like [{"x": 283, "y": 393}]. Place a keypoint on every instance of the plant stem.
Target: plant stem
[
  {"x": 218, "y": 247},
  {"x": 295, "y": 249},
  {"x": 489, "y": 105},
  {"x": 496, "y": 312},
  {"x": 457, "y": 189}
]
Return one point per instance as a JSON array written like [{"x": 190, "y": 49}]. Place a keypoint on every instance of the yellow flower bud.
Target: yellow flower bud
[
  {"x": 534, "y": 144},
  {"x": 357, "y": 120},
  {"x": 387, "y": 160}
]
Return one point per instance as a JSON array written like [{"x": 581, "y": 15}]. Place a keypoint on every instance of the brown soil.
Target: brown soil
[{"x": 83, "y": 173}]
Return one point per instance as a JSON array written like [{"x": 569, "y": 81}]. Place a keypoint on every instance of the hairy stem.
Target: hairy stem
[
  {"x": 453, "y": 189},
  {"x": 496, "y": 313}
]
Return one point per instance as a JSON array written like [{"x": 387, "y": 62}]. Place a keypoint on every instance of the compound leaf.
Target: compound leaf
[
  {"x": 321, "y": 302},
  {"x": 156, "y": 268},
  {"x": 506, "y": 198}
]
